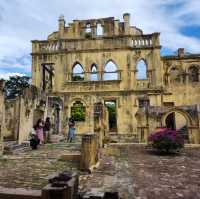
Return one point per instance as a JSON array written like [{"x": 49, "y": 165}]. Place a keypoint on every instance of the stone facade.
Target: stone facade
[{"x": 109, "y": 55}]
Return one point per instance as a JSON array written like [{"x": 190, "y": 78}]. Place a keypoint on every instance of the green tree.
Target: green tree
[
  {"x": 15, "y": 86},
  {"x": 78, "y": 112}
]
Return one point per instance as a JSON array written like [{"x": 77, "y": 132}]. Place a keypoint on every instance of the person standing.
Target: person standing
[
  {"x": 47, "y": 128},
  {"x": 71, "y": 130},
  {"x": 39, "y": 130}
]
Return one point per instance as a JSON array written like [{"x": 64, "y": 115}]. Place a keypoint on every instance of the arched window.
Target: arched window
[
  {"x": 141, "y": 68},
  {"x": 78, "y": 111},
  {"x": 193, "y": 74},
  {"x": 110, "y": 71},
  {"x": 77, "y": 73},
  {"x": 93, "y": 74},
  {"x": 99, "y": 30},
  {"x": 175, "y": 75}
]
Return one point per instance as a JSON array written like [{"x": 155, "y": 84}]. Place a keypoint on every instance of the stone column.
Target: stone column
[
  {"x": 156, "y": 39},
  {"x": 195, "y": 135},
  {"x": 116, "y": 27},
  {"x": 89, "y": 151},
  {"x": 126, "y": 17},
  {"x": 2, "y": 114},
  {"x": 61, "y": 26}
]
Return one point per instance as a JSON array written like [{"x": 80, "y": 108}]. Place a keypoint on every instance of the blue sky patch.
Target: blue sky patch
[{"x": 191, "y": 31}]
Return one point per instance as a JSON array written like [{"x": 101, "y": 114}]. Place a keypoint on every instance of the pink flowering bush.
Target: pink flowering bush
[{"x": 166, "y": 140}]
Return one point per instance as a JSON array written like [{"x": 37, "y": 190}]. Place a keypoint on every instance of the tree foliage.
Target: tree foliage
[
  {"x": 15, "y": 86},
  {"x": 78, "y": 112}
]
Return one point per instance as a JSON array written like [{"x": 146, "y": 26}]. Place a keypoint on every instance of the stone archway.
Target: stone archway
[{"x": 180, "y": 121}]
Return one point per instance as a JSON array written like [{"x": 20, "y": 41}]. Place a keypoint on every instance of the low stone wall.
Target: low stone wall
[
  {"x": 61, "y": 186},
  {"x": 7, "y": 193}
]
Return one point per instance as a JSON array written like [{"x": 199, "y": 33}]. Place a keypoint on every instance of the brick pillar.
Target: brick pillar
[{"x": 89, "y": 152}]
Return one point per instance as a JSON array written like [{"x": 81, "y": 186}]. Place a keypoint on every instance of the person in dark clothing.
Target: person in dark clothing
[
  {"x": 47, "y": 128},
  {"x": 34, "y": 140}
]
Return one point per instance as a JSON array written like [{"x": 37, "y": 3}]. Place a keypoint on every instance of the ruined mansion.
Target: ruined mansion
[{"x": 114, "y": 76}]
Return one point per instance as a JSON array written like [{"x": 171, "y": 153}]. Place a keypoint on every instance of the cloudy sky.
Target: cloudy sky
[{"x": 24, "y": 20}]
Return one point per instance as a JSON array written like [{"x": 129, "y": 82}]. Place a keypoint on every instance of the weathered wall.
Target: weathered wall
[{"x": 125, "y": 47}]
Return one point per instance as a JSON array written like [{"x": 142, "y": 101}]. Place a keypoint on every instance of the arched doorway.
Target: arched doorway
[{"x": 178, "y": 121}]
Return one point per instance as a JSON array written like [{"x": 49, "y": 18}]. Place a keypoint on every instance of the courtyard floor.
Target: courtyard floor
[
  {"x": 134, "y": 172},
  {"x": 130, "y": 170},
  {"x": 31, "y": 169}
]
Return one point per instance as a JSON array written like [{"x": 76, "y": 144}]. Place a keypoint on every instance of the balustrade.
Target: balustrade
[{"x": 137, "y": 41}]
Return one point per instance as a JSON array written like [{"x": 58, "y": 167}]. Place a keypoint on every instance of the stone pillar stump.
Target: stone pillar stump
[{"x": 89, "y": 151}]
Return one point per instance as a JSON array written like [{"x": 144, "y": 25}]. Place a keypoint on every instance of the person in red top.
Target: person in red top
[{"x": 39, "y": 130}]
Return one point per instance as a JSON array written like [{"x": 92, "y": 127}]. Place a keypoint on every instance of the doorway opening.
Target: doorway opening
[
  {"x": 178, "y": 122},
  {"x": 112, "y": 115}
]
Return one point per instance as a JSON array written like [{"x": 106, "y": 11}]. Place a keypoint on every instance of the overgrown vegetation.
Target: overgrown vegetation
[{"x": 78, "y": 112}]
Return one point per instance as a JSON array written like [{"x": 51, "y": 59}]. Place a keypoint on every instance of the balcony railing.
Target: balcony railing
[
  {"x": 140, "y": 41},
  {"x": 144, "y": 41},
  {"x": 95, "y": 76}
]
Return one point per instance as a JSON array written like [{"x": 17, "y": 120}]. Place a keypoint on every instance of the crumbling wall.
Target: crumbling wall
[{"x": 124, "y": 45}]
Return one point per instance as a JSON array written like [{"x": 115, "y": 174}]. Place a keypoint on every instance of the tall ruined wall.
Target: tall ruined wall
[
  {"x": 182, "y": 83},
  {"x": 11, "y": 119},
  {"x": 125, "y": 46},
  {"x": 19, "y": 113}
]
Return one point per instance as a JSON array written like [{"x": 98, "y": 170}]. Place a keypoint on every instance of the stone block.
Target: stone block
[{"x": 61, "y": 186}]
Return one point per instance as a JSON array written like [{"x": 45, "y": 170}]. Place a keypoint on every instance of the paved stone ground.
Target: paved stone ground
[
  {"x": 31, "y": 169},
  {"x": 166, "y": 177},
  {"x": 113, "y": 175},
  {"x": 136, "y": 173},
  {"x": 130, "y": 170}
]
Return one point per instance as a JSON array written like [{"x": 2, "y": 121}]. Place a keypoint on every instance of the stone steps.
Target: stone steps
[
  {"x": 123, "y": 138},
  {"x": 13, "y": 148}
]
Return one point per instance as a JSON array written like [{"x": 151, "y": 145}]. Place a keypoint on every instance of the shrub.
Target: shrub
[{"x": 166, "y": 140}]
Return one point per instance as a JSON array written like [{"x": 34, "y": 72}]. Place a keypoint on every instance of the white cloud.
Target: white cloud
[
  {"x": 4, "y": 75},
  {"x": 26, "y": 20}
]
